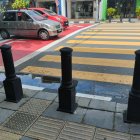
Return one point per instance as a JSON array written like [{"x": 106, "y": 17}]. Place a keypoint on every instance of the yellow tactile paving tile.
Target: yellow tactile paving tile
[
  {"x": 92, "y": 61},
  {"x": 102, "y": 77},
  {"x": 108, "y": 33},
  {"x": 110, "y": 37},
  {"x": 8, "y": 136},
  {"x": 104, "y": 42},
  {"x": 100, "y": 50}
]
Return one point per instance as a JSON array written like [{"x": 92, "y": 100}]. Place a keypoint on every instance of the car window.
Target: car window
[
  {"x": 9, "y": 16},
  {"x": 50, "y": 12},
  {"x": 35, "y": 15},
  {"x": 39, "y": 12},
  {"x": 23, "y": 16}
]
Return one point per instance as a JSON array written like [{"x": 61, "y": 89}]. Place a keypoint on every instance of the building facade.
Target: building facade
[{"x": 84, "y": 9}]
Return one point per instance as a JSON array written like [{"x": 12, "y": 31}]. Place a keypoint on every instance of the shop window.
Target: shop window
[{"x": 82, "y": 9}]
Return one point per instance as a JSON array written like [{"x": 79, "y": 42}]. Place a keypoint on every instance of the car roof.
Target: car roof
[
  {"x": 38, "y": 8},
  {"x": 22, "y": 10}
]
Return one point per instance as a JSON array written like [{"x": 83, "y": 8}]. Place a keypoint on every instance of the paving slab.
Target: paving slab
[
  {"x": 120, "y": 108},
  {"x": 8, "y": 136},
  {"x": 102, "y": 119},
  {"x": 83, "y": 102},
  {"x": 45, "y": 128},
  {"x": 46, "y": 95},
  {"x": 102, "y": 105},
  {"x": 27, "y": 138},
  {"x": 13, "y": 106},
  {"x": 29, "y": 93},
  {"x": 102, "y": 134},
  {"x": 2, "y": 97},
  {"x": 135, "y": 129},
  {"x": 4, "y": 114},
  {"x": 75, "y": 131},
  {"x": 35, "y": 106},
  {"x": 19, "y": 122},
  {"x": 53, "y": 113},
  {"x": 119, "y": 124},
  {"x": 135, "y": 137}
]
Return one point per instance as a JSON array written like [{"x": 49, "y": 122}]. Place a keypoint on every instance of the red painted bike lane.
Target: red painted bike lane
[{"x": 23, "y": 47}]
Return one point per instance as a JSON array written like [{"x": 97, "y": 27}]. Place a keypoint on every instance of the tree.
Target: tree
[{"x": 20, "y": 4}]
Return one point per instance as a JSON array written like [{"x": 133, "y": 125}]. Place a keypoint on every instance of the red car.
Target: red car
[{"x": 52, "y": 16}]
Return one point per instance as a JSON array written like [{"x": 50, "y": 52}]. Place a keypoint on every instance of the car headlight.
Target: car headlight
[{"x": 52, "y": 27}]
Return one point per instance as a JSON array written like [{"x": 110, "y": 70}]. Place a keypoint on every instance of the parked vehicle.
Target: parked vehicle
[
  {"x": 28, "y": 23},
  {"x": 53, "y": 16}
]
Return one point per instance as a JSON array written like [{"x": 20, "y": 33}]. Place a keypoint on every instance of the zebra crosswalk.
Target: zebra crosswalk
[{"x": 105, "y": 53}]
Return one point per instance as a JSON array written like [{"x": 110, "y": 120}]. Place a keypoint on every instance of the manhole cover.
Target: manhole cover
[
  {"x": 74, "y": 131},
  {"x": 102, "y": 134},
  {"x": 19, "y": 122},
  {"x": 45, "y": 128},
  {"x": 35, "y": 106}
]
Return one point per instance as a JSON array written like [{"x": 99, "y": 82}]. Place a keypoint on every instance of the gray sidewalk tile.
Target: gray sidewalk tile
[
  {"x": 121, "y": 107},
  {"x": 46, "y": 95},
  {"x": 119, "y": 125},
  {"x": 102, "y": 134},
  {"x": 8, "y": 136},
  {"x": 13, "y": 106},
  {"x": 35, "y": 106},
  {"x": 98, "y": 118},
  {"x": 135, "y": 137},
  {"x": 83, "y": 102},
  {"x": 4, "y": 114},
  {"x": 19, "y": 122},
  {"x": 2, "y": 97},
  {"x": 52, "y": 112},
  {"x": 26, "y": 138},
  {"x": 102, "y": 105},
  {"x": 45, "y": 128},
  {"x": 135, "y": 129},
  {"x": 29, "y": 93},
  {"x": 75, "y": 131}
]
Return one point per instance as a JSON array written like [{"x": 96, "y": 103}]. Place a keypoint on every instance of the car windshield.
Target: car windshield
[
  {"x": 35, "y": 15},
  {"x": 50, "y": 12}
]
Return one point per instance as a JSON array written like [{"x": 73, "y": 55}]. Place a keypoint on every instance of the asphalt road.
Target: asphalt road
[{"x": 103, "y": 61}]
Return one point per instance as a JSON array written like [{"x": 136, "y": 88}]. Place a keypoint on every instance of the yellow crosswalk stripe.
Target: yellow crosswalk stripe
[
  {"x": 92, "y": 61},
  {"x": 104, "y": 42},
  {"x": 110, "y": 37},
  {"x": 102, "y": 77},
  {"x": 112, "y": 30},
  {"x": 100, "y": 50},
  {"x": 93, "y": 33}
]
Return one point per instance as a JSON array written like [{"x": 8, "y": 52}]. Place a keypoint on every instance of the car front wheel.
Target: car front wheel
[
  {"x": 43, "y": 34},
  {"x": 4, "y": 34}
]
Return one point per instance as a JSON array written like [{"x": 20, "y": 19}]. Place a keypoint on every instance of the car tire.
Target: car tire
[
  {"x": 4, "y": 34},
  {"x": 44, "y": 34}
]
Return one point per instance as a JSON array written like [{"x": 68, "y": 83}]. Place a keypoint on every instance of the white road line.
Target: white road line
[
  {"x": 48, "y": 46},
  {"x": 93, "y": 96},
  {"x": 32, "y": 87}
]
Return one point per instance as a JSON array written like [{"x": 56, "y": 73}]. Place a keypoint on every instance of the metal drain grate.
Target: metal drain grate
[
  {"x": 8, "y": 136},
  {"x": 35, "y": 106},
  {"x": 45, "y": 128},
  {"x": 102, "y": 134},
  {"x": 19, "y": 122},
  {"x": 74, "y": 131}
]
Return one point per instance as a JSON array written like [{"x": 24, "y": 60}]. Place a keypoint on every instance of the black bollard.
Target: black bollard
[
  {"x": 133, "y": 111},
  {"x": 67, "y": 91},
  {"x": 12, "y": 83}
]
